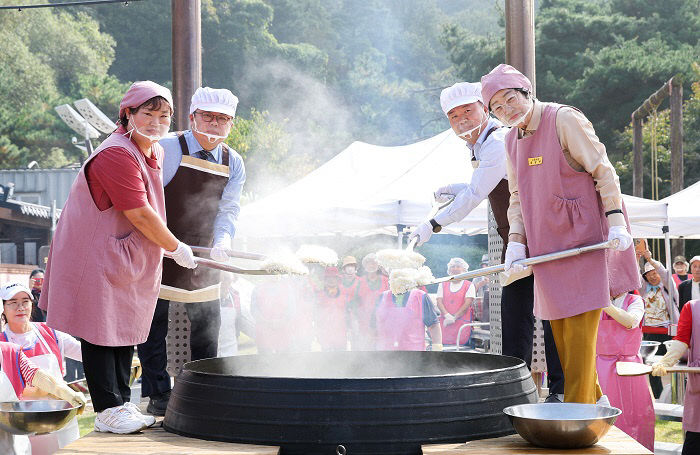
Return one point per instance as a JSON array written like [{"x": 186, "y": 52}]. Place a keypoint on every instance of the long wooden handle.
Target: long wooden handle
[
  {"x": 525, "y": 262},
  {"x": 232, "y": 253},
  {"x": 639, "y": 369}
]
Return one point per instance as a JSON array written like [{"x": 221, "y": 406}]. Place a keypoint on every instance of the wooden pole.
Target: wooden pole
[
  {"x": 637, "y": 163},
  {"x": 187, "y": 57},
  {"x": 676, "y": 88},
  {"x": 520, "y": 37}
]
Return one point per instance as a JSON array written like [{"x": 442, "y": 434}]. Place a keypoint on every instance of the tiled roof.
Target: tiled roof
[{"x": 26, "y": 208}]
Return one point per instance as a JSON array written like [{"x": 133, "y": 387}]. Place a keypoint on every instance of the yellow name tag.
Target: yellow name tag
[{"x": 534, "y": 161}]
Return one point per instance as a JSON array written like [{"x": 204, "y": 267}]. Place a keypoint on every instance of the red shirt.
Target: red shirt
[
  {"x": 685, "y": 325},
  {"x": 114, "y": 178}
]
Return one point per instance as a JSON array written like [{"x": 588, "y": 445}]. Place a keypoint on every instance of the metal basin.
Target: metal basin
[
  {"x": 562, "y": 425},
  {"x": 648, "y": 349},
  {"x": 35, "y": 416},
  {"x": 367, "y": 402}
]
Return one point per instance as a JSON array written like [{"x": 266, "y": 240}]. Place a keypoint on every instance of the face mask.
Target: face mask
[
  {"x": 520, "y": 119},
  {"x": 154, "y": 138},
  {"x": 464, "y": 134},
  {"x": 210, "y": 137}
]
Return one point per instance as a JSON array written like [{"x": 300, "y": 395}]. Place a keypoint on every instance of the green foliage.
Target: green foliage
[
  {"x": 265, "y": 148},
  {"x": 51, "y": 53}
]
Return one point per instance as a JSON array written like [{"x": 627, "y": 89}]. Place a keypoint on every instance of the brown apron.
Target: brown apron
[
  {"x": 499, "y": 198},
  {"x": 191, "y": 203}
]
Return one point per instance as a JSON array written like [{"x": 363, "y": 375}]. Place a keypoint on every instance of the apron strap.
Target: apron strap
[
  {"x": 488, "y": 133},
  {"x": 183, "y": 143}
]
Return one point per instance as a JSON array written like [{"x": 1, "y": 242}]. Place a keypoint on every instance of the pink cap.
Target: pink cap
[
  {"x": 142, "y": 91},
  {"x": 501, "y": 77}
]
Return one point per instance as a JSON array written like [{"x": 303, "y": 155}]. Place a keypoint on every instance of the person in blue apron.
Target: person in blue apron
[{"x": 203, "y": 180}]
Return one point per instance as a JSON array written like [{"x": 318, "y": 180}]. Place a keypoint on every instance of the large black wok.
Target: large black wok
[{"x": 368, "y": 402}]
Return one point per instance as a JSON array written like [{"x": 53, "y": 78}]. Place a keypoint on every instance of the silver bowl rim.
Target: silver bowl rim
[
  {"x": 37, "y": 411},
  {"x": 509, "y": 412},
  {"x": 650, "y": 343}
]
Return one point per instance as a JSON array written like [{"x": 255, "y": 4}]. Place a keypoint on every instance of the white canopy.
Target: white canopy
[
  {"x": 369, "y": 189},
  {"x": 683, "y": 212},
  {"x": 366, "y": 189}
]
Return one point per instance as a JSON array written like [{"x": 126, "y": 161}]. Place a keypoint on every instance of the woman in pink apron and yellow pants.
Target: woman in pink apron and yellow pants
[
  {"x": 619, "y": 339},
  {"x": 564, "y": 193},
  {"x": 687, "y": 340},
  {"x": 46, "y": 349}
]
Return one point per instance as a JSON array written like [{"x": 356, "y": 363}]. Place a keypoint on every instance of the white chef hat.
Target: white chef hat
[
  {"x": 219, "y": 100},
  {"x": 457, "y": 261},
  {"x": 459, "y": 94}
]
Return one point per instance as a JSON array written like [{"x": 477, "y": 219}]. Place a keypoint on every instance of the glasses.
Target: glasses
[
  {"x": 14, "y": 304},
  {"x": 512, "y": 100},
  {"x": 209, "y": 117},
  {"x": 38, "y": 281}
]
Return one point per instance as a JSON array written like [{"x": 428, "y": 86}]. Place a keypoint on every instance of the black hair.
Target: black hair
[
  {"x": 154, "y": 103},
  {"x": 36, "y": 272}
]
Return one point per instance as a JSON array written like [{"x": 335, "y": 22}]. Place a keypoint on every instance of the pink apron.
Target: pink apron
[
  {"x": 11, "y": 387},
  {"x": 629, "y": 393},
  {"x": 561, "y": 210},
  {"x": 48, "y": 344},
  {"x": 273, "y": 330},
  {"x": 401, "y": 328},
  {"x": 691, "y": 404},
  {"x": 364, "y": 339},
  {"x": 453, "y": 301},
  {"x": 103, "y": 276},
  {"x": 331, "y": 325}
]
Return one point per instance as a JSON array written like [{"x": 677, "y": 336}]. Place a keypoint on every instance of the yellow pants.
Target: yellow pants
[{"x": 576, "y": 338}]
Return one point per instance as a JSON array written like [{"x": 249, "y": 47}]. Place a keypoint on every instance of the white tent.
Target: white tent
[
  {"x": 369, "y": 189},
  {"x": 683, "y": 212},
  {"x": 366, "y": 189}
]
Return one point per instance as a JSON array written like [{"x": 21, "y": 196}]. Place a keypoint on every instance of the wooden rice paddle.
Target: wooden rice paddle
[{"x": 639, "y": 369}]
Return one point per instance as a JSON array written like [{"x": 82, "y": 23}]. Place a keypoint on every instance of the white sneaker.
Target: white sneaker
[
  {"x": 603, "y": 401},
  {"x": 118, "y": 419},
  {"x": 148, "y": 419}
]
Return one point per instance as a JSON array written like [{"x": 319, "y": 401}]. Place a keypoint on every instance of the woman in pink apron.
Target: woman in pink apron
[
  {"x": 687, "y": 340},
  {"x": 330, "y": 318},
  {"x": 401, "y": 321},
  {"x": 104, "y": 268},
  {"x": 455, "y": 301},
  {"x": 18, "y": 372},
  {"x": 372, "y": 284},
  {"x": 564, "y": 194},
  {"x": 619, "y": 339}
]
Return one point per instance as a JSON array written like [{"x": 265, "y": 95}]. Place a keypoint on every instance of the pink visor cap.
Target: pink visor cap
[
  {"x": 142, "y": 91},
  {"x": 502, "y": 77}
]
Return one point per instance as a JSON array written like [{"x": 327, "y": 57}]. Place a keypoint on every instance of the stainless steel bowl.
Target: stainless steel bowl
[
  {"x": 562, "y": 425},
  {"x": 35, "y": 416},
  {"x": 648, "y": 349}
]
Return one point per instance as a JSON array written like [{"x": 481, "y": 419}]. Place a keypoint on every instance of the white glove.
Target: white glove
[
  {"x": 423, "y": 231},
  {"x": 44, "y": 381},
  {"x": 443, "y": 193},
  {"x": 514, "y": 252},
  {"x": 621, "y": 316},
  {"x": 674, "y": 351},
  {"x": 183, "y": 256},
  {"x": 620, "y": 233},
  {"x": 449, "y": 319},
  {"x": 219, "y": 252}
]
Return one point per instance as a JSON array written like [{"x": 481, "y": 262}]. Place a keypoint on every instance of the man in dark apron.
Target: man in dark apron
[
  {"x": 203, "y": 181},
  {"x": 484, "y": 136}
]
